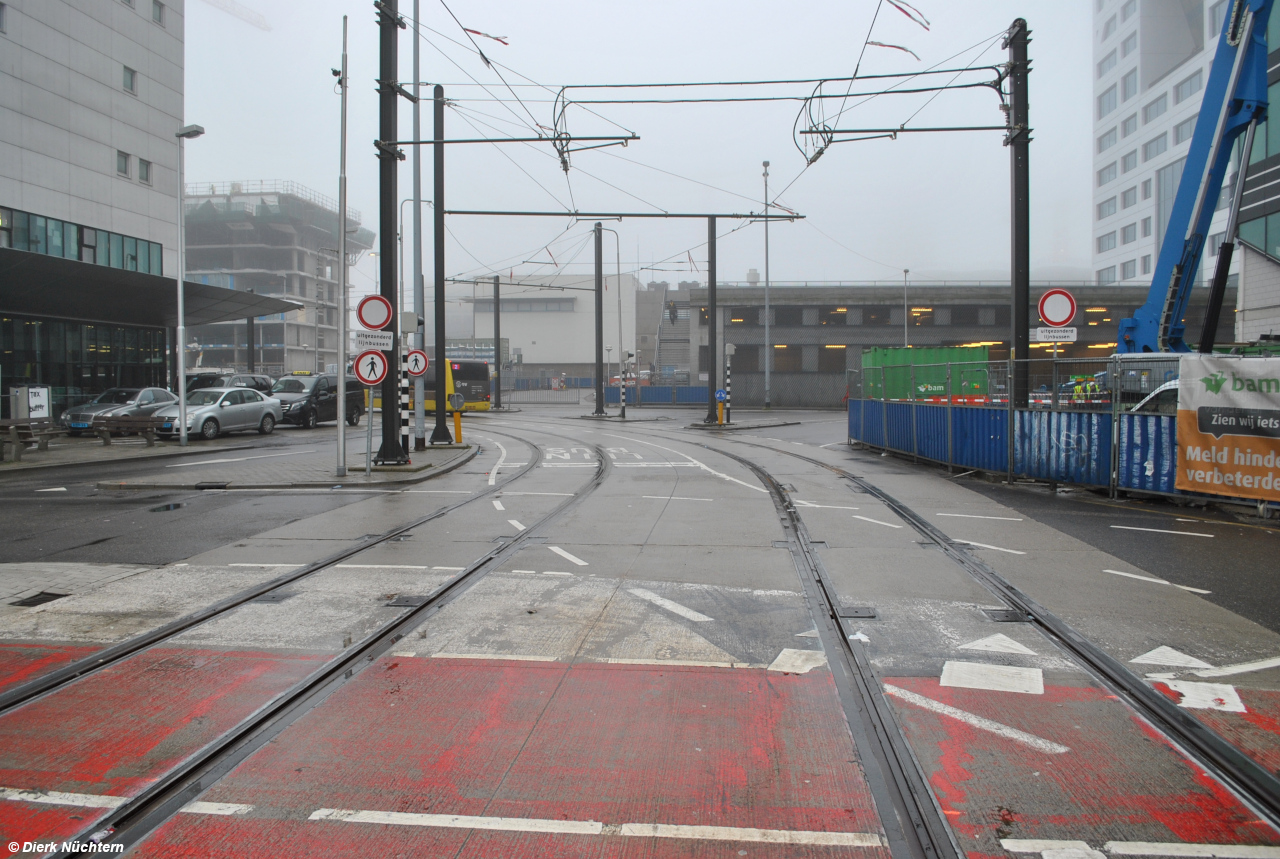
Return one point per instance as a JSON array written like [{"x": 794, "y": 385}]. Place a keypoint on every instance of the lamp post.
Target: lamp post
[
  {"x": 617, "y": 262},
  {"x": 187, "y": 132},
  {"x": 768, "y": 353}
]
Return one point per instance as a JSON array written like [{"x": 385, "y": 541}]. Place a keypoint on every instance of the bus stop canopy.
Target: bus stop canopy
[{"x": 35, "y": 284}]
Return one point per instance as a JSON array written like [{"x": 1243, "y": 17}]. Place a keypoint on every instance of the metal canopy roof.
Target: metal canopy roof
[{"x": 39, "y": 285}]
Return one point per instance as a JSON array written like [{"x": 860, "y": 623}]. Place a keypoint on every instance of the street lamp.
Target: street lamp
[
  {"x": 768, "y": 353},
  {"x": 187, "y": 132}
]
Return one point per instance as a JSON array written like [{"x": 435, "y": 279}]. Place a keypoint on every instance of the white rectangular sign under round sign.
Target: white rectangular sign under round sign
[
  {"x": 1055, "y": 335},
  {"x": 381, "y": 340}
]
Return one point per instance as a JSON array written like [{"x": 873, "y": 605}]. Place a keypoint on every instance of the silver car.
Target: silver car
[
  {"x": 214, "y": 411},
  {"x": 116, "y": 402}
]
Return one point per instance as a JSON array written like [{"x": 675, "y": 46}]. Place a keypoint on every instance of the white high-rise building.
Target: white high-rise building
[
  {"x": 91, "y": 94},
  {"x": 1151, "y": 60}
]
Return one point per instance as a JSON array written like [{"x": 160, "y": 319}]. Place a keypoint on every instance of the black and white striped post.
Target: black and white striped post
[
  {"x": 728, "y": 382},
  {"x": 405, "y": 414}
]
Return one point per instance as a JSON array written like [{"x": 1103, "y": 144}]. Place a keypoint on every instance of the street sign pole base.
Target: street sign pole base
[
  {"x": 394, "y": 456},
  {"x": 440, "y": 435}
]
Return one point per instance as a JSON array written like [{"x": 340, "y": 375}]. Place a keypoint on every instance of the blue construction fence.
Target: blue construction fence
[
  {"x": 660, "y": 395},
  {"x": 1087, "y": 448}
]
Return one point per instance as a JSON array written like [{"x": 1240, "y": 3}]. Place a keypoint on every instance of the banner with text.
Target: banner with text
[{"x": 1229, "y": 426}]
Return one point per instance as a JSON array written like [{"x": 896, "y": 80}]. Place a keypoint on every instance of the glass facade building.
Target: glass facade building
[
  {"x": 78, "y": 360},
  {"x": 25, "y": 231}
]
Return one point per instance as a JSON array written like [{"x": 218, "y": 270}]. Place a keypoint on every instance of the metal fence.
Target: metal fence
[{"x": 1077, "y": 425}]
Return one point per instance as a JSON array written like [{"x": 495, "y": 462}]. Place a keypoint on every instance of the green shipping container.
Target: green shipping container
[{"x": 921, "y": 373}]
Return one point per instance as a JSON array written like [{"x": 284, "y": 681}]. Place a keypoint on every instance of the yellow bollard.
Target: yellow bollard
[
  {"x": 720, "y": 412},
  {"x": 457, "y": 427}
]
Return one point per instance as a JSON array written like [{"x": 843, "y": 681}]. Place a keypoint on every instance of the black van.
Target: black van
[{"x": 308, "y": 399}]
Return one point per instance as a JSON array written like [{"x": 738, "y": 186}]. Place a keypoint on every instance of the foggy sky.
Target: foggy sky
[{"x": 936, "y": 204}]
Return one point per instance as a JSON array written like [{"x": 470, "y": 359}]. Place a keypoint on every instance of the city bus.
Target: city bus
[{"x": 466, "y": 377}]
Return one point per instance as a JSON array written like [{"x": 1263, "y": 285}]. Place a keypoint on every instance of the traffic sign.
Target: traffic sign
[
  {"x": 1057, "y": 308},
  {"x": 380, "y": 340},
  {"x": 371, "y": 367},
  {"x": 721, "y": 396},
  {"x": 457, "y": 401},
  {"x": 1056, "y": 335},
  {"x": 417, "y": 362},
  {"x": 374, "y": 312}
]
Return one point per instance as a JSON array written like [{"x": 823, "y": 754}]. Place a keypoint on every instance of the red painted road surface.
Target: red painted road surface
[
  {"x": 1120, "y": 779},
  {"x": 548, "y": 741},
  {"x": 22, "y": 663},
  {"x": 115, "y": 732},
  {"x": 1255, "y": 732}
]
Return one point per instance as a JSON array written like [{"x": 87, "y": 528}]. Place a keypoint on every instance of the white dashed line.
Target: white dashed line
[
  {"x": 986, "y": 546},
  {"x": 675, "y": 498},
  {"x": 497, "y": 505},
  {"x": 570, "y": 558},
  {"x": 1240, "y": 668},
  {"x": 876, "y": 521},
  {"x": 516, "y": 525},
  {"x": 972, "y": 516},
  {"x": 1156, "y": 581},
  {"x": 220, "y": 808},
  {"x": 673, "y": 607},
  {"x": 1161, "y": 531},
  {"x": 57, "y": 797}
]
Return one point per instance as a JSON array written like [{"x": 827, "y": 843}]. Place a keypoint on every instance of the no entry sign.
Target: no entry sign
[
  {"x": 1057, "y": 308},
  {"x": 374, "y": 312},
  {"x": 370, "y": 367}
]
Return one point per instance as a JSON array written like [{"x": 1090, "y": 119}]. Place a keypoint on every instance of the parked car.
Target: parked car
[
  {"x": 214, "y": 411},
  {"x": 257, "y": 381},
  {"x": 309, "y": 399},
  {"x": 115, "y": 402},
  {"x": 1162, "y": 401}
]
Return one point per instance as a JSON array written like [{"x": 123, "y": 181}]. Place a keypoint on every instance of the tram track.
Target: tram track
[
  {"x": 141, "y": 814},
  {"x": 1245, "y": 777}
]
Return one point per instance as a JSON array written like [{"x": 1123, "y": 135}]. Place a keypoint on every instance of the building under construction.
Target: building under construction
[{"x": 269, "y": 238}]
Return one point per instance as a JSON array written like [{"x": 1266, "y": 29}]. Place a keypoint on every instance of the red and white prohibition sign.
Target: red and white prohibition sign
[
  {"x": 416, "y": 362},
  {"x": 374, "y": 312},
  {"x": 370, "y": 367},
  {"x": 1057, "y": 308}
]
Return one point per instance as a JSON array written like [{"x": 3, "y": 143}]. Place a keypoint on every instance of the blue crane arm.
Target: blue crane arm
[{"x": 1234, "y": 98}]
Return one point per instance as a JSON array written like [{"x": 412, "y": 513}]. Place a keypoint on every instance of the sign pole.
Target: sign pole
[{"x": 368, "y": 439}]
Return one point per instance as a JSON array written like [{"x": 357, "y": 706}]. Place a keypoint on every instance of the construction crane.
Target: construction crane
[{"x": 1235, "y": 101}]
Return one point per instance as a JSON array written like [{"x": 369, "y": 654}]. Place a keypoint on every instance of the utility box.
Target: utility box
[
  {"x": 921, "y": 373},
  {"x": 31, "y": 403}
]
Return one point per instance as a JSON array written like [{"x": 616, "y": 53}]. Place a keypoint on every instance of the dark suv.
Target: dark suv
[
  {"x": 257, "y": 381},
  {"x": 312, "y": 398}
]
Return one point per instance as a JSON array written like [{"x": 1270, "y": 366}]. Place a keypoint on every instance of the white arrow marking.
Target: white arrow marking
[
  {"x": 1168, "y": 656},
  {"x": 998, "y": 643}
]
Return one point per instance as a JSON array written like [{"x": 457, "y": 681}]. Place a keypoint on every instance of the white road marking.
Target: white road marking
[
  {"x": 445, "y": 491},
  {"x": 833, "y": 444},
  {"x": 570, "y": 558},
  {"x": 450, "y": 569},
  {"x": 555, "y": 573},
  {"x": 518, "y": 657},
  {"x": 57, "y": 797},
  {"x": 675, "y": 498},
  {"x": 568, "y": 465},
  {"x": 998, "y": 643},
  {"x": 1210, "y": 851},
  {"x": 684, "y": 663},
  {"x": 971, "y": 516},
  {"x": 674, "y": 607},
  {"x": 1039, "y": 845},
  {"x": 404, "y": 654},
  {"x": 565, "y": 494},
  {"x": 1207, "y": 696},
  {"x": 1154, "y": 580},
  {"x": 655, "y": 465},
  {"x": 986, "y": 546},
  {"x": 766, "y": 836},
  {"x": 1241, "y": 668},
  {"x": 1164, "y": 655},
  {"x": 808, "y": 504},
  {"x": 975, "y": 721},
  {"x": 795, "y": 661},
  {"x": 526, "y": 572},
  {"x": 223, "y": 808},
  {"x": 875, "y": 521},
  {"x": 237, "y": 459},
  {"x": 997, "y": 678},
  {"x": 1161, "y": 531},
  {"x": 262, "y": 565},
  {"x": 516, "y": 525},
  {"x": 693, "y": 461},
  {"x": 1188, "y": 520},
  {"x": 493, "y": 475},
  {"x": 460, "y": 821},
  {"x": 813, "y": 633},
  {"x": 383, "y": 566},
  {"x": 497, "y": 505},
  {"x": 59, "y": 489}
]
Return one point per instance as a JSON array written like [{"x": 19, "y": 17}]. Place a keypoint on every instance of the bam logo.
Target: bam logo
[
  {"x": 1262, "y": 386},
  {"x": 1213, "y": 384}
]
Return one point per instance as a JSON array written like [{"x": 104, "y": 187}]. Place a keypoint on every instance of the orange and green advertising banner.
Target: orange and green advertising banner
[{"x": 1229, "y": 426}]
